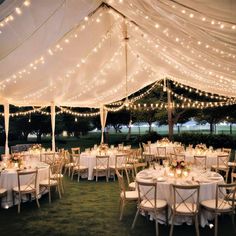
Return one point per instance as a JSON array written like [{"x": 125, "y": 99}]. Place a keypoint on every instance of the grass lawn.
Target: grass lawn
[{"x": 89, "y": 208}]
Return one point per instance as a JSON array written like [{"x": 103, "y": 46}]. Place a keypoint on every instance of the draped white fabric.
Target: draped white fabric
[
  {"x": 53, "y": 52},
  {"x": 103, "y": 118},
  {"x": 53, "y": 120},
  {"x": 6, "y": 122}
]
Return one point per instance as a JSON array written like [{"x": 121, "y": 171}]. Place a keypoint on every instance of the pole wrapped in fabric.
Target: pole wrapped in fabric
[
  {"x": 103, "y": 118},
  {"x": 53, "y": 118},
  {"x": 6, "y": 121}
]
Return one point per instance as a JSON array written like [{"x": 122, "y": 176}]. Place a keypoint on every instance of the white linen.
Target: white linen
[
  {"x": 88, "y": 159},
  {"x": 52, "y": 52},
  {"x": 207, "y": 181},
  {"x": 8, "y": 180}
]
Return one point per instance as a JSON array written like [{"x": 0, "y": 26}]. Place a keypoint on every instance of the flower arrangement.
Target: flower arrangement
[
  {"x": 103, "y": 147},
  {"x": 16, "y": 159},
  {"x": 182, "y": 165},
  {"x": 164, "y": 141},
  {"x": 201, "y": 147},
  {"x": 36, "y": 147}
]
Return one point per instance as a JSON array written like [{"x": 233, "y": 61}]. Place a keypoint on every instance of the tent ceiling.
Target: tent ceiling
[{"x": 72, "y": 52}]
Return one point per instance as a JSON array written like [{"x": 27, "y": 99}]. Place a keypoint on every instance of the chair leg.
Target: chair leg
[
  {"x": 232, "y": 218},
  {"x": 156, "y": 224},
  {"x": 166, "y": 215},
  {"x": 72, "y": 174},
  {"x": 216, "y": 225},
  {"x": 135, "y": 218},
  {"x": 172, "y": 224},
  {"x": 37, "y": 200},
  {"x": 122, "y": 209},
  {"x": 49, "y": 195},
  {"x": 19, "y": 202},
  {"x": 78, "y": 176},
  {"x": 96, "y": 176},
  {"x": 196, "y": 225}
]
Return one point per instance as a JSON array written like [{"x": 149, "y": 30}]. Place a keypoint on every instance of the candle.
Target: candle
[
  {"x": 185, "y": 173},
  {"x": 178, "y": 172}
]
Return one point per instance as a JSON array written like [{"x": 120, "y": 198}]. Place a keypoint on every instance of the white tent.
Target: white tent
[{"x": 72, "y": 52}]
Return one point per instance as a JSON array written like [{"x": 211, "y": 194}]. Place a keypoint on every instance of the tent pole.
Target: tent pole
[
  {"x": 53, "y": 119},
  {"x": 6, "y": 121}
]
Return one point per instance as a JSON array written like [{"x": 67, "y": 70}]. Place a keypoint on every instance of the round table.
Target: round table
[
  {"x": 8, "y": 179},
  {"x": 206, "y": 179}
]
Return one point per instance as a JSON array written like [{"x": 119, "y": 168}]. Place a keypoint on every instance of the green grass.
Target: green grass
[{"x": 88, "y": 208}]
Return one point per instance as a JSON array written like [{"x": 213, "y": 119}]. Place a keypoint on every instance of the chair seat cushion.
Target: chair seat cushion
[
  {"x": 80, "y": 168},
  {"x": 70, "y": 164},
  {"x": 132, "y": 185},
  {"x": 150, "y": 204},
  {"x": 55, "y": 176},
  {"x": 130, "y": 195},
  {"x": 221, "y": 167},
  {"x": 211, "y": 204},
  {"x": 186, "y": 208},
  {"x": 3, "y": 191},
  {"x": 25, "y": 188},
  {"x": 100, "y": 168},
  {"x": 47, "y": 183}
]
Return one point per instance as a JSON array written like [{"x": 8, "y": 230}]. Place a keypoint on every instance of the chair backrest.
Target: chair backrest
[
  {"x": 147, "y": 191},
  {"x": 120, "y": 160},
  {"x": 186, "y": 196},
  {"x": 55, "y": 170},
  {"x": 48, "y": 157},
  {"x": 75, "y": 151},
  {"x": 27, "y": 180},
  {"x": 146, "y": 148},
  {"x": 121, "y": 182},
  {"x": 139, "y": 166},
  {"x": 178, "y": 149},
  {"x": 161, "y": 151},
  {"x": 227, "y": 150},
  {"x": 225, "y": 196},
  {"x": 200, "y": 161},
  {"x": 222, "y": 160},
  {"x": 233, "y": 177},
  {"x": 149, "y": 158},
  {"x": 102, "y": 162},
  {"x": 180, "y": 157}
]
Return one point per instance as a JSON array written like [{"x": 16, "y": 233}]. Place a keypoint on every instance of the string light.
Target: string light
[
  {"x": 12, "y": 16},
  {"x": 80, "y": 114},
  {"x": 59, "y": 46}
]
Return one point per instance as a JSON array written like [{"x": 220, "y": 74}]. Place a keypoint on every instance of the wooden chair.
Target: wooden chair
[
  {"x": 223, "y": 203},
  {"x": 148, "y": 202},
  {"x": 200, "y": 161},
  {"x": 102, "y": 165},
  {"x": 78, "y": 168},
  {"x": 186, "y": 203},
  {"x": 125, "y": 196},
  {"x": 26, "y": 185},
  {"x": 71, "y": 160},
  {"x": 149, "y": 158},
  {"x": 222, "y": 165},
  {"x": 178, "y": 150},
  {"x": 52, "y": 181},
  {"x": 48, "y": 157},
  {"x": 3, "y": 193},
  {"x": 161, "y": 154},
  {"x": 120, "y": 164}
]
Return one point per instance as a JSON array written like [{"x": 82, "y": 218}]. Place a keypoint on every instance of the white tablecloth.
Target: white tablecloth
[
  {"x": 153, "y": 147},
  {"x": 211, "y": 156},
  {"x": 88, "y": 159},
  {"x": 8, "y": 180},
  {"x": 207, "y": 181}
]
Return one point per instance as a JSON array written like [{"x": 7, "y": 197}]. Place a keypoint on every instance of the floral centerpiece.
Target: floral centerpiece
[
  {"x": 201, "y": 147},
  {"x": 164, "y": 141},
  {"x": 102, "y": 148},
  {"x": 36, "y": 147},
  {"x": 16, "y": 159},
  {"x": 179, "y": 168}
]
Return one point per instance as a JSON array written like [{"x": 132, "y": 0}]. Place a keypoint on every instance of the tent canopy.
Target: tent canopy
[{"x": 72, "y": 52}]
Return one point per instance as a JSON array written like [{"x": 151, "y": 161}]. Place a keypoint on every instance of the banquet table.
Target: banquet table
[
  {"x": 152, "y": 148},
  {"x": 211, "y": 156},
  {"x": 8, "y": 179},
  {"x": 88, "y": 159},
  {"x": 206, "y": 179}
]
